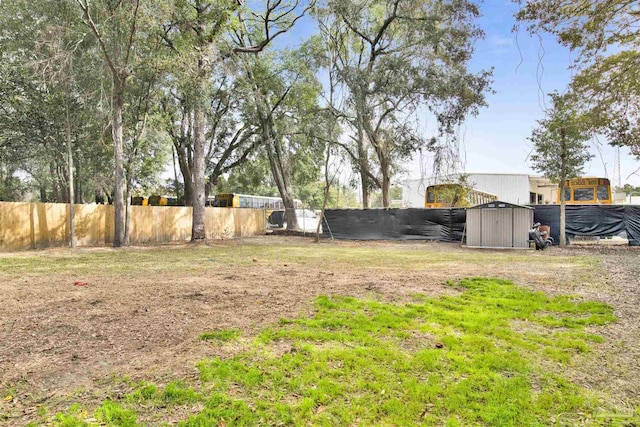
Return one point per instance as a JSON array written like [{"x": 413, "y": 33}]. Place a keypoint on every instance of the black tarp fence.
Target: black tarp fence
[
  {"x": 447, "y": 225},
  {"x": 396, "y": 224},
  {"x": 592, "y": 220}
]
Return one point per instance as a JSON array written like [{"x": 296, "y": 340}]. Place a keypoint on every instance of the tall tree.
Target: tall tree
[
  {"x": 606, "y": 36},
  {"x": 49, "y": 67},
  {"x": 560, "y": 148},
  {"x": 285, "y": 94},
  {"x": 198, "y": 33},
  {"x": 397, "y": 59},
  {"x": 117, "y": 27},
  {"x": 230, "y": 135}
]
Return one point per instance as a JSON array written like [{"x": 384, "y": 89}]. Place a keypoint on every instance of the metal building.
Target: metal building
[
  {"x": 520, "y": 189},
  {"x": 498, "y": 225}
]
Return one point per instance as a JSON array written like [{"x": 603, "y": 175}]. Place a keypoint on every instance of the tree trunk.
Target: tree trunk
[
  {"x": 280, "y": 169},
  {"x": 43, "y": 193},
  {"x": 199, "y": 127},
  {"x": 187, "y": 174},
  {"x": 118, "y": 145},
  {"x": 127, "y": 212},
  {"x": 363, "y": 161},
  {"x": 327, "y": 188},
  {"x": 72, "y": 224},
  {"x": 386, "y": 181},
  {"x": 563, "y": 222},
  {"x": 175, "y": 175},
  {"x": 54, "y": 182},
  {"x": 78, "y": 187},
  {"x": 563, "y": 178},
  {"x": 364, "y": 178}
]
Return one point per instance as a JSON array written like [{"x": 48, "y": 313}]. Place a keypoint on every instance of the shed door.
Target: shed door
[{"x": 497, "y": 228}]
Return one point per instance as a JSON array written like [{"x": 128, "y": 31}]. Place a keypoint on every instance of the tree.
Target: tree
[
  {"x": 199, "y": 35},
  {"x": 630, "y": 190},
  {"x": 230, "y": 135},
  {"x": 116, "y": 27},
  {"x": 396, "y": 59},
  {"x": 285, "y": 92},
  {"x": 560, "y": 149},
  {"x": 51, "y": 107},
  {"x": 606, "y": 36}
]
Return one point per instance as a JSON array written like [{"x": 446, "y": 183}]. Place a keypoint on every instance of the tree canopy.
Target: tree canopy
[
  {"x": 192, "y": 96},
  {"x": 606, "y": 36}
]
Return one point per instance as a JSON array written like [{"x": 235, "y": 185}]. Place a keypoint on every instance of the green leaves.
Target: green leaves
[
  {"x": 606, "y": 37},
  {"x": 396, "y": 59},
  {"x": 559, "y": 141}
]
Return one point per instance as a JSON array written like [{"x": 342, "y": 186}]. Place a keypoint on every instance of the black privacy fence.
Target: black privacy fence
[
  {"x": 447, "y": 225},
  {"x": 592, "y": 220},
  {"x": 395, "y": 224}
]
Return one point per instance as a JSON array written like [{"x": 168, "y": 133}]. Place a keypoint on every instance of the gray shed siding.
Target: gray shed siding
[
  {"x": 497, "y": 231},
  {"x": 522, "y": 220},
  {"x": 499, "y": 227},
  {"x": 474, "y": 227}
]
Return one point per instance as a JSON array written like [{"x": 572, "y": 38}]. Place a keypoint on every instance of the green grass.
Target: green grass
[
  {"x": 453, "y": 361},
  {"x": 327, "y": 257},
  {"x": 220, "y": 335}
]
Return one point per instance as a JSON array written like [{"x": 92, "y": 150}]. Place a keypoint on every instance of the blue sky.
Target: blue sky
[{"x": 526, "y": 68}]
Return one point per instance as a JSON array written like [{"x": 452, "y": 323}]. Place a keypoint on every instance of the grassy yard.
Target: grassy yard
[{"x": 376, "y": 334}]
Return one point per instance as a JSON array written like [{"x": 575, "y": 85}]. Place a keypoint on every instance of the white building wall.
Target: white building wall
[
  {"x": 634, "y": 200},
  {"x": 510, "y": 188},
  {"x": 413, "y": 191}
]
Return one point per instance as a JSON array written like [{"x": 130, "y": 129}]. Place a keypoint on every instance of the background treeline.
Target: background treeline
[{"x": 270, "y": 97}]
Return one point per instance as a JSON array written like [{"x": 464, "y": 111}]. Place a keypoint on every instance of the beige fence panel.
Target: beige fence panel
[
  {"x": 33, "y": 225},
  {"x": 90, "y": 223},
  {"x": 174, "y": 224},
  {"x": 249, "y": 220},
  {"x": 142, "y": 226},
  {"x": 41, "y": 225},
  {"x": 220, "y": 223},
  {"x": 17, "y": 229}
]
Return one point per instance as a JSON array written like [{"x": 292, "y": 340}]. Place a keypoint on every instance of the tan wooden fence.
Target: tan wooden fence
[{"x": 42, "y": 225}]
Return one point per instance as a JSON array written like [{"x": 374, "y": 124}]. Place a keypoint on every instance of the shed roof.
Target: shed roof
[{"x": 499, "y": 204}]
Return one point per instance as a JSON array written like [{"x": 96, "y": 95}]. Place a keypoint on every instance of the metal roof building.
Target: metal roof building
[{"x": 518, "y": 189}]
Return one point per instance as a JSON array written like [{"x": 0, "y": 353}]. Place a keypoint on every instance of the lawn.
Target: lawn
[{"x": 281, "y": 331}]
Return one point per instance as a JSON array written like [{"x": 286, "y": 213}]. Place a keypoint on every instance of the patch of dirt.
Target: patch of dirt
[
  {"x": 61, "y": 343},
  {"x": 616, "y": 369},
  {"x": 59, "y": 339}
]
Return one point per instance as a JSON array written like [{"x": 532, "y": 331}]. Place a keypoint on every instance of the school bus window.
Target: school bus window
[
  {"x": 567, "y": 193},
  {"x": 603, "y": 192},
  {"x": 582, "y": 194},
  {"x": 431, "y": 197}
]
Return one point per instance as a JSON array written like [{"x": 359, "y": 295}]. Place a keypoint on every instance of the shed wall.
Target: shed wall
[
  {"x": 522, "y": 220},
  {"x": 496, "y": 227},
  {"x": 474, "y": 227}
]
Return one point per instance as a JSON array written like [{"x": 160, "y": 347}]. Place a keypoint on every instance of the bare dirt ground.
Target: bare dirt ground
[{"x": 61, "y": 343}]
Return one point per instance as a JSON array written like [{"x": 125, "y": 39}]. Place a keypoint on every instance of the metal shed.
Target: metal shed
[{"x": 499, "y": 225}]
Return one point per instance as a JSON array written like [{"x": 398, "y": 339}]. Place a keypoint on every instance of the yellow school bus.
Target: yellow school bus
[
  {"x": 586, "y": 191},
  {"x": 455, "y": 195},
  {"x": 234, "y": 200}
]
